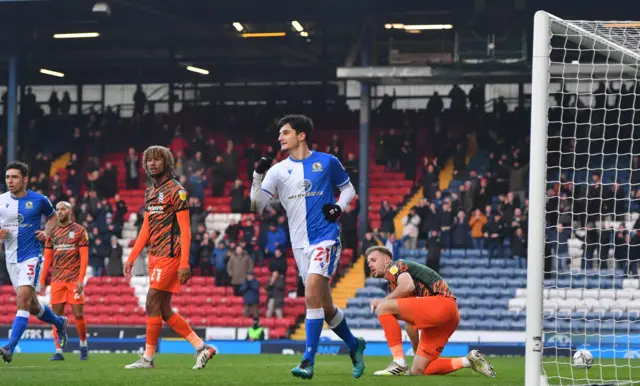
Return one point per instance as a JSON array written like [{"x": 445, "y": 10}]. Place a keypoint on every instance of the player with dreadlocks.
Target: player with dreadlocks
[{"x": 166, "y": 231}]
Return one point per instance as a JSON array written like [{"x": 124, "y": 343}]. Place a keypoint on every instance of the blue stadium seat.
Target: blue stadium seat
[
  {"x": 517, "y": 325},
  {"x": 485, "y": 324},
  {"x": 466, "y": 303},
  {"x": 467, "y": 325}
]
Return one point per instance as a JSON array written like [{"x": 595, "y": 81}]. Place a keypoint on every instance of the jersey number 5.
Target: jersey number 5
[
  {"x": 155, "y": 274},
  {"x": 322, "y": 254}
]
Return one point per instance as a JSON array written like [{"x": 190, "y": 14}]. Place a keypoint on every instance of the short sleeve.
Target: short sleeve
[
  {"x": 84, "y": 238},
  {"x": 270, "y": 182},
  {"x": 179, "y": 199},
  {"x": 339, "y": 176},
  {"x": 47, "y": 207}
]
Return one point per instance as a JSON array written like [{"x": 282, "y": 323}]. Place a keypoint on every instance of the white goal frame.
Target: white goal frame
[{"x": 544, "y": 25}]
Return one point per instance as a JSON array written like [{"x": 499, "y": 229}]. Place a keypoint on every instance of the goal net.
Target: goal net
[{"x": 583, "y": 288}]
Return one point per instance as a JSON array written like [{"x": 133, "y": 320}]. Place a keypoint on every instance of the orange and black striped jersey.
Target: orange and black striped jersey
[
  {"x": 162, "y": 203},
  {"x": 65, "y": 243},
  {"x": 427, "y": 281}
]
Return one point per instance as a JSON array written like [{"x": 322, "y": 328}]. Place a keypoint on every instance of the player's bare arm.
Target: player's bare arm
[
  {"x": 405, "y": 288},
  {"x": 51, "y": 225},
  {"x": 3, "y": 233},
  {"x": 141, "y": 242},
  {"x": 184, "y": 272},
  {"x": 84, "y": 262}
]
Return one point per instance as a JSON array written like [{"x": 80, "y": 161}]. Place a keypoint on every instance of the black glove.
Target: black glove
[
  {"x": 263, "y": 165},
  {"x": 331, "y": 212}
]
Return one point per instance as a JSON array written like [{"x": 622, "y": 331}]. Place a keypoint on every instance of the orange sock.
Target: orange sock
[
  {"x": 154, "y": 326},
  {"x": 181, "y": 327},
  {"x": 81, "y": 326},
  {"x": 56, "y": 340},
  {"x": 393, "y": 333},
  {"x": 443, "y": 366}
]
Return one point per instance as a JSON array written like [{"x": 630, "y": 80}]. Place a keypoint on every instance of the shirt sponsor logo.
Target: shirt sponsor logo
[
  {"x": 155, "y": 209},
  {"x": 64, "y": 247}
]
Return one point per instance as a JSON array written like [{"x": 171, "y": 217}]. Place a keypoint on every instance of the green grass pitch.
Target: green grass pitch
[{"x": 107, "y": 369}]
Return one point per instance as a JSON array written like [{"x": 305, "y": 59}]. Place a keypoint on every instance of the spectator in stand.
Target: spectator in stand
[
  {"x": 621, "y": 249},
  {"x": 139, "y": 101},
  {"x": 55, "y": 186},
  {"x": 430, "y": 179},
  {"x": 276, "y": 239},
  {"x": 460, "y": 232},
  {"x": 97, "y": 255},
  {"x": 276, "y": 294},
  {"x": 435, "y": 104},
  {"x": 408, "y": 159},
  {"x": 220, "y": 257},
  {"x": 434, "y": 248},
  {"x": 558, "y": 239},
  {"x": 178, "y": 143},
  {"x": 411, "y": 223},
  {"x": 458, "y": 99},
  {"x": 494, "y": 234},
  {"x": 392, "y": 150},
  {"x": 336, "y": 147},
  {"x": 109, "y": 181},
  {"x": 182, "y": 166},
  {"x": 219, "y": 174},
  {"x": 252, "y": 154},
  {"x": 432, "y": 222},
  {"x": 114, "y": 266},
  {"x": 518, "y": 175},
  {"x": 349, "y": 220},
  {"x": 351, "y": 166},
  {"x": 211, "y": 151},
  {"x": 250, "y": 290},
  {"x": 230, "y": 157},
  {"x": 204, "y": 252},
  {"x": 132, "y": 167},
  {"x": 196, "y": 163},
  {"x": 238, "y": 197},
  {"x": 238, "y": 267},
  {"x": 477, "y": 223},
  {"x": 197, "y": 184},
  {"x": 392, "y": 244},
  {"x": 387, "y": 217},
  {"x": 519, "y": 248},
  {"x": 423, "y": 211},
  {"x": 197, "y": 143},
  {"x": 446, "y": 222}
]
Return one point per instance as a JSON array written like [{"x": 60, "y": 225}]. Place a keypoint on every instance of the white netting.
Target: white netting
[{"x": 591, "y": 292}]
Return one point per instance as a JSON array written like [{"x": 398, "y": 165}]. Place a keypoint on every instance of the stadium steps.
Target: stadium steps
[
  {"x": 413, "y": 201},
  {"x": 346, "y": 288},
  {"x": 60, "y": 163},
  {"x": 446, "y": 174}
]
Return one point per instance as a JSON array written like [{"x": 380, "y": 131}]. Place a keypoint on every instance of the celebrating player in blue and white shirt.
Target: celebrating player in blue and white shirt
[
  {"x": 21, "y": 213},
  {"x": 305, "y": 184}
]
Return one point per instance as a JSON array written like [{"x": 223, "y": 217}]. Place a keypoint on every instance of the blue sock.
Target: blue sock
[
  {"x": 339, "y": 325},
  {"x": 19, "y": 325},
  {"x": 313, "y": 327},
  {"x": 46, "y": 315}
]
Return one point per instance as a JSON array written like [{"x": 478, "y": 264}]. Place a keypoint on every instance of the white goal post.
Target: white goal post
[{"x": 571, "y": 59}]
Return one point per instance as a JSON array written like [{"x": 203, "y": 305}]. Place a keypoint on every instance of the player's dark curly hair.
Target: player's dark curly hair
[
  {"x": 19, "y": 166},
  {"x": 299, "y": 123},
  {"x": 163, "y": 153}
]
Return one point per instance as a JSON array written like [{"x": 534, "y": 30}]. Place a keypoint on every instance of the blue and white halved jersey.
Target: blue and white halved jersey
[
  {"x": 22, "y": 218},
  {"x": 304, "y": 187}
]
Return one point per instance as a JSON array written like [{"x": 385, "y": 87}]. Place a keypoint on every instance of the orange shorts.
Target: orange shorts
[
  {"x": 62, "y": 293},
  {"x": 163, "y": 274},
  {"x": 436, "y": 318}
]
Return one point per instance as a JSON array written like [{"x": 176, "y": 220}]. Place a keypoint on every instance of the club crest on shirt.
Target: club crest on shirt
[
  {"x": 161, "y": 197},
  {"x": 28, "y": 205},
  {"x": 72, "y": 234},
  {"x": 316, "y": 167},
  {"x": 183, "y": 195}
]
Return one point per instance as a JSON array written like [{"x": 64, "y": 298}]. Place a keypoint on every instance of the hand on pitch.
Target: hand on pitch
[
  {"x": 184, "y": 274},
  {"x": 374, "y": 304},
  {"x": 263, "y": 165},
  {"x": 3, "y": 233},
  {"x": 128, "y": 266},
  {"x": 331, "y": 212},
  {"x": 41, "y": 235},
  {"x": 79, "y": 288}
]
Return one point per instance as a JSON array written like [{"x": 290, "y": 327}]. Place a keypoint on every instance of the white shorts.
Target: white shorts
[
  {"x": 26, "y": 273},
  {"x": 321, "y": 259}
]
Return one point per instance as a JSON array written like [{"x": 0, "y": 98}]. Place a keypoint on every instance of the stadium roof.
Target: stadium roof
[{"x": 155, "y": 40}]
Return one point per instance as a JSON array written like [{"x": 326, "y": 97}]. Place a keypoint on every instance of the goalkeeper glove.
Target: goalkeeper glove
[
  {"x": 331, "y": 212},
  {"x": 263, "y": 165}
]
